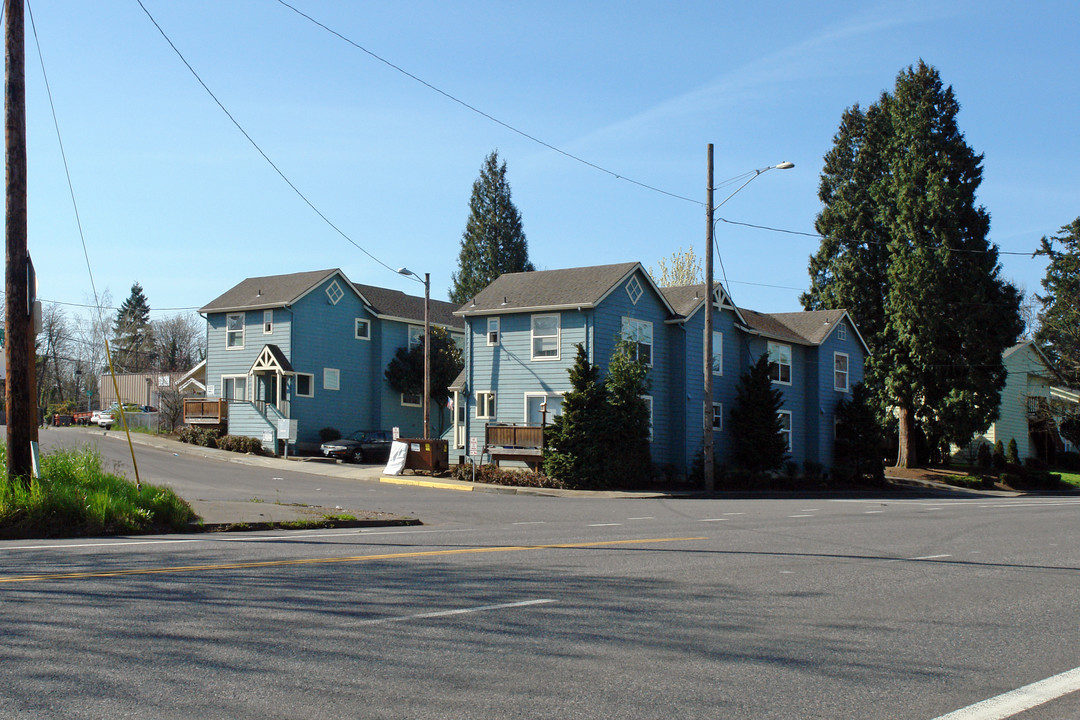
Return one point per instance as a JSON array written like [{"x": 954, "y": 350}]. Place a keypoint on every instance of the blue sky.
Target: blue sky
[{"x": 172, "y": 195}]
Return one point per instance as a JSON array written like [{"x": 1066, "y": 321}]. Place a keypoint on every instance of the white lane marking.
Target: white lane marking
[
  {"x": 809, "y": 509},
  {"x": 446, "y": 613},
  {"x": 642, "y": 518},
  {"x": 930, "y": 557},
  {"x": 530, "y": 522},
  {"x": 711, "y": 519},
  {"x": 605, "y": 524},
  {"x": 873, "y": 512},
  {"x": 798, "y": 516},
  {"x": 734, "y": 513},
  {"x": 1019, "y": 700}
]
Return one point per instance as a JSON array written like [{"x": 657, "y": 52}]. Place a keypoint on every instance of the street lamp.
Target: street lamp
[
  {"x": 707, "y": 439},
  {"x": 427, "y": 344}
]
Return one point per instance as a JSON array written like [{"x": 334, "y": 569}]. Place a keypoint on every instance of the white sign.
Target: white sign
[
  {"x": 397, "y": 433},
  {"x": 210, "y": 391},
  {"x": 268, "y": 437},
  {"x": 396, "y": 463},
  {"x": 472, "y": 447}
]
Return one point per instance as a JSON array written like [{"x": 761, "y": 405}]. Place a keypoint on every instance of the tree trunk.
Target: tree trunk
[{"x": 908, "y": 454}]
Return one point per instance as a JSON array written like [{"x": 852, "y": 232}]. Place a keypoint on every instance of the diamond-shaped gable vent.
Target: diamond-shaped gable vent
[
  {"x": 634, "y": 290},
  {"x": 334, "y": 292}
]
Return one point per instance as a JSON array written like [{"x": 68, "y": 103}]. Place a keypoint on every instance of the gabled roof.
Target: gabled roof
[
  {"x": 274, "y": 291},
  {"x": 688, "y": 299},
  {"x": 394, "y": 304},
  {"x": 271, "y": 291},
  {"x": 809, "y": 327},
  {"x": 571, "y": 288}
]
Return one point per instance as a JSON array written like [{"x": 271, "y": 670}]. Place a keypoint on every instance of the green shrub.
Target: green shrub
[
  {"x": 983, "y": 458},
  {"x": 491, "y": 475},
  {"x": 998, "y": 459},
  {"x": 1012, "y": 456},
  {"x": 813, "y": 471}
]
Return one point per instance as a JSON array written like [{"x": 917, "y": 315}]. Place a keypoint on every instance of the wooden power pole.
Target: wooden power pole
[{"x": 18, "y": 347}]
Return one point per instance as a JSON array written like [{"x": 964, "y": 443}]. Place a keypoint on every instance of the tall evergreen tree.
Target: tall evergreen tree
[
  {"x": 573, "y": 446},
  {"x": 493, "y": 242},
  {"x": 905, "y": 250},
  {"x": 757, "y": 443},
  {"x": 133, "y": 337},
  {"x": 1059, "y": 316},
  {"x": 627, "y": 458}
]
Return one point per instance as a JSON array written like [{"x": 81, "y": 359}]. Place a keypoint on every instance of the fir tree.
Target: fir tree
[
  {"x": 627, "y": 456},
  {"x": 906, "y": 252},
  {"x": 858, "y": 434},
  {"x": 758, "y": 445},
  {"x": 493, "y": 242},
  {"x": 572, "y": 451},
  {"x": 133, "y": 337},
  {"x": 1059, "y": 317}
]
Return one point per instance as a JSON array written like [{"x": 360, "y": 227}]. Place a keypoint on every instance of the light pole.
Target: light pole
[
  {"x": 707, "y": 437},
  {"x": 427, "y": 345}
]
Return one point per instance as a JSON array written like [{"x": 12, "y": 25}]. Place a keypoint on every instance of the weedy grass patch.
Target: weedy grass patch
[{"x": 76, "y": 496}]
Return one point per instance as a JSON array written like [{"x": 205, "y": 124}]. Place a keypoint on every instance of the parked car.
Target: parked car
[
  {"x": 360, "y": 446},
  {"x": 108, "y": 417}
]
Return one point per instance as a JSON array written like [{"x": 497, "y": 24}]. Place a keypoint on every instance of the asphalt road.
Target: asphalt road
[{"x": 904, "y": 606}]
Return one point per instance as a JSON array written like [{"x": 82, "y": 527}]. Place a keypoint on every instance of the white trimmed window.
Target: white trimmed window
[
  {"x": 234, "y": 331},
  {"x": 545, "y": 337},
  {"x": 416, "y": 336},
  {"x": 412, "y": 399},
  {"x": 331, "y": 379},
  {"x": 493, "y": 331},
  {"x": 634, "y": 290},
  {"x": 334, "y": 293},
  {"x": 362, "y": 329},
  {"x": 639, "y": 332},
  {"x": 542, "y": 407},
  {"x": 268, "y": 322},
  {"x": 785, "y": 427},
  {"x": 305, "y": 385},
  {"x": 780, "y": 363},
  {"x": 234, "y": 387},
  {"x": 840, "y": 371},
  {"x": 717, "y": 353},
  {"x": 841, "y": 332},
  {"x": 485, "y": 405},
  {"x": 718, "y": 417}
]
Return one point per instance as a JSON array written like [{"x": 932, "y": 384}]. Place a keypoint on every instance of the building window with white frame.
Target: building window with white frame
[
  {"x": 305, "y": 385},
  {"x": 640, "y": 334},
  {"x": 362, "y": 329},
  {"x": 545, "y": 337},
  {"x": 234, "y": 387},
  {"x": 485, "y": 405},
  {"x": 785, "y": 428},
  {"x": 841, "y": 331},
  {"x": 717, "y": 353},
  {"x": 718, "y": 417},
  {"x": 331, "y": 379},
  {"x": 334, "y": 293},
  {"x": 268, "y": 322},
  {"x": 493, "y": 331},
  {"x": 840, "y": 372},
  {"x": 412, "y": 399},
  {"x": 780, "y": 363},
  {"x": 234, "y": 331},
  {"x": 416, "y": 336}
]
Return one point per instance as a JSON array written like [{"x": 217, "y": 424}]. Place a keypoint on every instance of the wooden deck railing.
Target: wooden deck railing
[
  {"x": 201, "y": 411},
  {"x": 515, "y": 442}
]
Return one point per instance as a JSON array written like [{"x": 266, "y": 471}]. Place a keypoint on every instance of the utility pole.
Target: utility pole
[
  {"x": 18, "y": 394},
  {"x": 707, "y": 435},
  {"x": 427, "y": 355}
]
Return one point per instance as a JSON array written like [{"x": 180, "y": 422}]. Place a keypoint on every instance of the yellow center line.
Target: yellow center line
[{"x": 320, "y": 561}]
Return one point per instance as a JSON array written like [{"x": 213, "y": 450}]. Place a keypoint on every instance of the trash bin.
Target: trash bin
[{"x": 430, "y": 455}]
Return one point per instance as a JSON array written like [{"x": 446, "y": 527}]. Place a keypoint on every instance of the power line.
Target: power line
[
  {"x": 483, "y": 114},
  {"x": 255, "y": 145}
]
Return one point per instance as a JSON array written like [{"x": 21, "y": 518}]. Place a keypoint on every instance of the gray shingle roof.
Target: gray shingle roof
[
  {"x": 809, "y": 327},
  {"x": 572, "y": 287},
  {"x": 274, "y": 291}
]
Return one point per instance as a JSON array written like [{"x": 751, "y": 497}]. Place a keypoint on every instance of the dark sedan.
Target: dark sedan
[{"x": 361, "y": 446}]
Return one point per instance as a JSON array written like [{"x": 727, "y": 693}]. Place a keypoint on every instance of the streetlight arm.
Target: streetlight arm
[{"x": 780, "y": 166}]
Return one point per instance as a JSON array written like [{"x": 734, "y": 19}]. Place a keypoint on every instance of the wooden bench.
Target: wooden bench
[{"x": 523, "y": 443}]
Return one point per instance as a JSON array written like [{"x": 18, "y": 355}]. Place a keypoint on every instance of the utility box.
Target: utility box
[{"x": 430, "y": 455}]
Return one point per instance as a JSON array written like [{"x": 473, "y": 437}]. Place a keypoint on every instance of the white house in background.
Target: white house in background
[{"x": 1029, "y": 399}]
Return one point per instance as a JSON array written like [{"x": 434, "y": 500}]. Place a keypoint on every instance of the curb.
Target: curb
[{"x": 222, "y": 527}]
